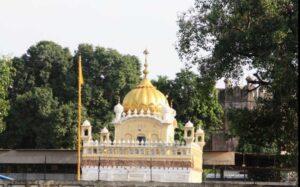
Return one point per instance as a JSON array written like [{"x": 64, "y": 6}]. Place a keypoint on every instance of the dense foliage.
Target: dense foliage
[
  {"x": 41, "y": 88},
  {"x": 193, "y": 99},
  {"x": 221, "y": 37},
  {"x": 108, "y": 76},
  {"x": 30, "y": 123},
  {"x": 6, "y": 73}
]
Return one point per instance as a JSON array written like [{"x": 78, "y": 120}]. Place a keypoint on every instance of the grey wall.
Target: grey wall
[
  {"x": 41, "y": 176},
  {"x": 133, "y": 184}
]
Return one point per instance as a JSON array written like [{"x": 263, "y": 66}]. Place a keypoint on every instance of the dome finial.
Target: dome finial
[{"x": 146, "y": 52}]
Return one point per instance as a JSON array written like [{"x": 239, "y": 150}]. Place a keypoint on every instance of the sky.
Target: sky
[{"x": 127, "y": 26}]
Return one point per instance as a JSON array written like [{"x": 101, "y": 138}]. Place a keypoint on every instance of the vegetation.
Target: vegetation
[
  {"x": 6, "y": 73},
  {"x": 194, "y": 99},
  {"x": 108, "y": 75},
  {"x": 41, "y": 88},
  {"x": 221, "y": 37}
]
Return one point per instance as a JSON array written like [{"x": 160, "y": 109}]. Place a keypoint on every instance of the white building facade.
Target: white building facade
[{"x": 143, "y": 148}]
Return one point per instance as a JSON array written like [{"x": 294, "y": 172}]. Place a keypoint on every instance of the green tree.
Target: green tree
[
  {"x": 221, "y": 37},
  {"x": 45, "y": 64},
  {"x": 38, "y": 121},
  {"x": 65, "y": 126},
  {"x": 43, "y": 95},
  {"x": 44, "y": 67},
  {"x": 6, "y": 74},
  {"x": 194, "y": 100},
  {"x": 30, "y": 122},
  {"x": 108, "y": 75}
]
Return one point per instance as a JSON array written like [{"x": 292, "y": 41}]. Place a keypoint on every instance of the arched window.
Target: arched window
[
  {"x": 199, "y": 138},
  {"x": 189, "y": 133},
  {"x": 128, "y": 137},
  {"x": 141, "y": 138},
  {"x": 154, "y": 138},
  {"x": 86, "y": 132}
]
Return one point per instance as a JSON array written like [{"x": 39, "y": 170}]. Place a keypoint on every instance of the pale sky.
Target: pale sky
[{"x": 127, "y": 26}]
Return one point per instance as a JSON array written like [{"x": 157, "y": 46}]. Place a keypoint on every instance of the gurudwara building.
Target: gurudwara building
[{"x": 143, "y": 148}]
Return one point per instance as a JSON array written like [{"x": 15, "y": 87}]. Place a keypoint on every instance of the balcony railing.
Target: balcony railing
[{"x": 94, "y": 148}]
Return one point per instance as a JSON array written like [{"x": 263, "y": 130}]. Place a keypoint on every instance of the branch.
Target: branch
[
  {"x": 252, "y": 89},
  {"x": 259, "y": 80}
]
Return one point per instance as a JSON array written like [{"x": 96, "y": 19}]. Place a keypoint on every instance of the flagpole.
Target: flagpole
[{"x": 80, "y": 78}]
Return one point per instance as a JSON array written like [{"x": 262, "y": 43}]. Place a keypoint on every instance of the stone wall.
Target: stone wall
[
  {"x": 135, "y": 184},
  {"x": 142, "y": 174}
]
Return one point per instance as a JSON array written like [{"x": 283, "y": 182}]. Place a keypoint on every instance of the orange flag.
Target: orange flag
[{"x": 80, "y": 76}]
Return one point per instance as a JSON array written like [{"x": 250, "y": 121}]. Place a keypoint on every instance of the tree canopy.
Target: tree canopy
[
  {"x": 43, "y": 92},
  {"x": 221, "y": 37},
  {"x": 193, "y": 99},
  {"x": 6, "y": 74},
  {"x": 108, "y": 76}
]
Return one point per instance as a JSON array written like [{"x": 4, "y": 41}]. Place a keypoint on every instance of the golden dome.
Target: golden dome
[{"x": 145, "y": 96}]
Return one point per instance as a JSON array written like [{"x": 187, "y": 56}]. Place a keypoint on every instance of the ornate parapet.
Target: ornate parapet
[
  {"x": 136, "y": 162},
  {"x": 94, "y": 148},
  {"x": 145, "y": 154},
  {"x": 129, "y": 115},
  {"x": 134, "y": 114}
]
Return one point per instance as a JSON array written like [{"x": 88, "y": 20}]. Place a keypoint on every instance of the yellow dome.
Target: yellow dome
[{"x": 145, "y": 96}]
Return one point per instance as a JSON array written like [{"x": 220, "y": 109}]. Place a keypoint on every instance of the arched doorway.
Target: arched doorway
[{"x": 140, "y": 138}]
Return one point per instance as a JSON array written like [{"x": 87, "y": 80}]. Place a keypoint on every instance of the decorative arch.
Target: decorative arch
[
  {"x": 141, "y": 137},
  {"x": 199, "y": 138},
  {"x": 154, "y": 137},
  {"x": 128, "y": 137},
  {"x": 86, "y": 132}
]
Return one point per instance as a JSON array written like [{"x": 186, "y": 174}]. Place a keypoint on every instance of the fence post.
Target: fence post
[
  {"x": 45, "y": 162},
  {"x": 99, "y": 168},
  {"x": 244, "y": 165}
]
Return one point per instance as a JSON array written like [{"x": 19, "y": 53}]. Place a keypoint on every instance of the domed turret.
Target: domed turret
[
  {"x": 188, "y": 132},
  {"x": 145, "y": 96},
  {"x": 199, "y": 131},
  {"x": 104, "y": 135},
  {"x": 189, "y": 124},
  {"x": 168, "y": 114},
  {"x": 118, "y": 108},
  {"x": 104, "y": 130},
  {"x": 199, "y": 135},
  {"x": 86, "y": 131},
  {"x": 86, "y": 123}
]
